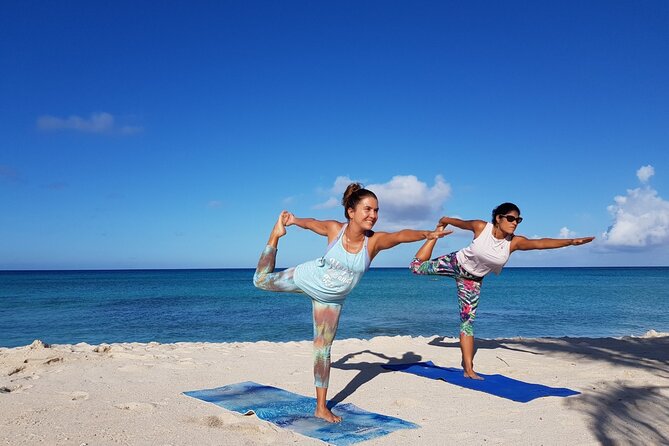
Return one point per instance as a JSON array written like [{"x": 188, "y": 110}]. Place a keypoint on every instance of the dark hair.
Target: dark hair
[
  {"x": 504, "y": 209},
  {"x": 353, "y": 194}
]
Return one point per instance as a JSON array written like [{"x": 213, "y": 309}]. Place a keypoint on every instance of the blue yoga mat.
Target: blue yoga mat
[
  {"x": 498, "y": 385},
  {"x": 295, "y": 412}
]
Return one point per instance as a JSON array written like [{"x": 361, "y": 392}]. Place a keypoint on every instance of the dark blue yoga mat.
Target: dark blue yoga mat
[
  {"x": 295, "y": 412},
  {"x": 498, "y": 385}
]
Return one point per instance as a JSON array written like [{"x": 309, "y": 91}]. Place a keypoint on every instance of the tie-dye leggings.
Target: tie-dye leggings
[
  {"x": 326, "y": 316},
  {"x": 469, "y": 287}
]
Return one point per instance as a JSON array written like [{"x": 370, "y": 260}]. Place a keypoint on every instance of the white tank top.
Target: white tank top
[{"x": 486, "y": 253}]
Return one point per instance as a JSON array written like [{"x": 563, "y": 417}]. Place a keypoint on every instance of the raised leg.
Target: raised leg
[
  {"x": 278, "y": 231},
  {"x": 445, "y": 265},
  {"x": 265, "y": 278}
]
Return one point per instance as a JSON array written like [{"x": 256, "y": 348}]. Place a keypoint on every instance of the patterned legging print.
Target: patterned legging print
[
  {"x": 266, "y": 279},
  {"x": 469, "y": 290},
  {"x": 326, "y": 316},
  {"x": 326, "y": 321}
]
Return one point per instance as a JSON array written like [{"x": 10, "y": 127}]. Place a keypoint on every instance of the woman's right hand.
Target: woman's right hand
[
  {"x": 288, "y": 218},
  {"x": 437, "y": 233}
]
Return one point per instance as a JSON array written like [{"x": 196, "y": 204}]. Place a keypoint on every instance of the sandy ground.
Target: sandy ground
[{"x": 132, "y": 393}]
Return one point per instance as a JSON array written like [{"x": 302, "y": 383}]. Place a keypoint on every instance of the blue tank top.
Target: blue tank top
[{"x": 332, "y": 277}]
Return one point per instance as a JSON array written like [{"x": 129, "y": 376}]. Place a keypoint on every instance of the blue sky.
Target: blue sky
[{"x": 138, "y": 136}]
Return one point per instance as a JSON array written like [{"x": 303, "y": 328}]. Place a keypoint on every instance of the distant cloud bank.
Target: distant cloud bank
[
  {"x": 565, "y": 232},
  {"x": 96, "y": 123},
  {"x": 640, "y": 218},
  {"x": 328, "y": 204},
  {"x": 404, "y": 201}
]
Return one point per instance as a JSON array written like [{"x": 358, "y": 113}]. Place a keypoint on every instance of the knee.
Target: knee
[
  {"x": 467, "y": 329},
  {"x": 258, "y": 281},
  {"x": 322, "y": 346},
  {"x": 322, "y": 356},
  {"x": 415, "y": 265}
]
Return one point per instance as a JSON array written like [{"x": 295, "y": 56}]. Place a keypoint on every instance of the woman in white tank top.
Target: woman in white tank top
[{"x": 489, "y": 251}]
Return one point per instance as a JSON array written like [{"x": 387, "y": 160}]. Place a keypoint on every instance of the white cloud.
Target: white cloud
[
  {"x": 215, "y": 204},
  {"x": 405, "y": 201},
  {"x": 96, "y": 123},
  {"x": 340, "y": 185},
  {"x": 644, "y": 173},
  {"x": 565, "y": 232},
  {"x": 330, "y": 203},
  {"x": 335, "y": 192},
  {"x": 640, "y": 219}
]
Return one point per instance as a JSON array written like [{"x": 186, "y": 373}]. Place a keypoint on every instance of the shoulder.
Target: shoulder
[
  {"x": 374, "y": 237},
  {"x": 337, "y": 226},
  {"x": 478, "y": 226},
  {"x": 333, "y": 225},
  {"x": 332, "y": 229},
  {"x": 517, "y": 240}
]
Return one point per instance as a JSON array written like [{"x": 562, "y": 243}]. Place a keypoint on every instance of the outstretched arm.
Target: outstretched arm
[
  {"x": 476, "y": 226},
  {"x": 387, "y": 240},
  {"x": 520, "y": 243},
  {"x": 327, "y": 228}
]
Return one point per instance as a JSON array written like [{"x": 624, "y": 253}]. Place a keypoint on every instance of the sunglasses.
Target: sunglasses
[{"x": 512, "y": 218}]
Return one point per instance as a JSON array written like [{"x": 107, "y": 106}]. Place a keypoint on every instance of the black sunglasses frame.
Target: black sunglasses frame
[{"x": 512, "y": 218}]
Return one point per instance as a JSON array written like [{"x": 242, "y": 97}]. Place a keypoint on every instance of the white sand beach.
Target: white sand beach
[{"x": 132, "y": 393}]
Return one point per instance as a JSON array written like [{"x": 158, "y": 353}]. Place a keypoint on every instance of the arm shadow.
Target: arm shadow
[{"x": 367, "y": 371}]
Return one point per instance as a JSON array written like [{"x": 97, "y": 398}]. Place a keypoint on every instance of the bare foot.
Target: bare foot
[
  {"x": 472, "y": 375},
  {"x": 324, "y": 413},
  {"x": 279, "y": 229}
]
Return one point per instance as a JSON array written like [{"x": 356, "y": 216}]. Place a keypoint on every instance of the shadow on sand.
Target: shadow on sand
[
  {"x": 618, "y": 411},
  {"x": 650, "y": 354},
  {"x": 367, "y": 371}
]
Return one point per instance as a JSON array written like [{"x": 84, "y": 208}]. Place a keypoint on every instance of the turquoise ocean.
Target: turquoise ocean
[{"x": 222, "y": 305}]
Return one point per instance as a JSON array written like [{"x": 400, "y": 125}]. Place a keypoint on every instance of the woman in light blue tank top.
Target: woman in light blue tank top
[
  {"x": 493, "y": 244},
  {"x": 330, "y": 278}
]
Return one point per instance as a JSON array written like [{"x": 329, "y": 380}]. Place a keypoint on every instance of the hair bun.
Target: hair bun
[{"x": 350, "y": 190}]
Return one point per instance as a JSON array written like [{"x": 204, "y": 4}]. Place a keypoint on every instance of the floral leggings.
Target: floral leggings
[
  {"x": 469, "y": 287},
  {"x": 326, "y": 316}
]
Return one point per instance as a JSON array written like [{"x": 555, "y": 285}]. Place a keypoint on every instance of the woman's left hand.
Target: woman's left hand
[
  {"x": 437, "y": 233},
  {"x": 582, "y": 240}
]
